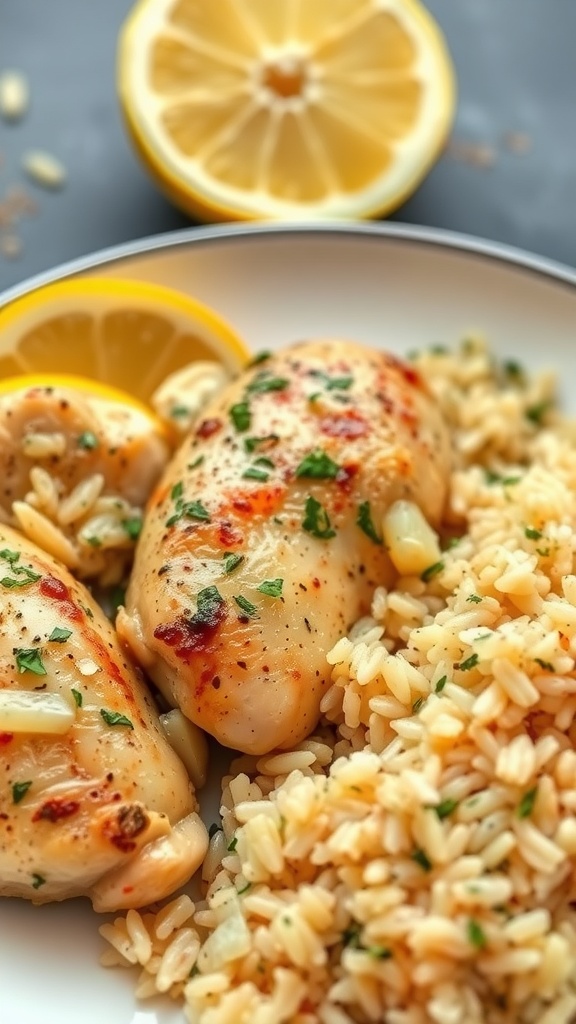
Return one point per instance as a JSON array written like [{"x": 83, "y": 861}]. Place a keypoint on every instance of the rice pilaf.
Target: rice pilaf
[{"x": 413, "y": 862}]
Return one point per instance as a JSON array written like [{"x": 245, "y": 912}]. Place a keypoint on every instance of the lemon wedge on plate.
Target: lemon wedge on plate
[
  {"x": 117, "y": 335},
  {"x": 285, "y": 109}
]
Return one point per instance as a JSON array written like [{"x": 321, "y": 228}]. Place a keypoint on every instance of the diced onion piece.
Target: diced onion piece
[
  {"x": 189, "y": 742},
  {"x": 412, "y": 543},
  {"x": 26, "y": 711}
]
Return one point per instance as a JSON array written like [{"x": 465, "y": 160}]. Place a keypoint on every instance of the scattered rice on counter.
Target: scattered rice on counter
[{"x": 413, "y": 863}]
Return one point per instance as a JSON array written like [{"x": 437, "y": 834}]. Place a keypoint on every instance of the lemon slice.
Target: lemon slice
[
  {"x": 284, "y": 109},
  {"x": 125, "y": 336}
]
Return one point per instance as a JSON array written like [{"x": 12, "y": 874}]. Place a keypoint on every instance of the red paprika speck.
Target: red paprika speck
[
  {"x": 228, "y": 535},
  {"x": 209, "y": 427},
  {"x": 55, "y": 590},
  {"x": 6, "y": 738},
  {"x": 348, "y": 424},
  {"x": 190, "y": 636},
  {"x": 55, "y": 810}
]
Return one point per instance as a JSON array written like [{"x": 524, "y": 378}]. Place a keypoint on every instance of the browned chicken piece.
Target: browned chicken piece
[
  {"x": 263, "y": 542},
  {"x": 93, "y": 800}
]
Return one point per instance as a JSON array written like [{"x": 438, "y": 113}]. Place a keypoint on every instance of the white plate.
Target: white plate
[{"x": 386, "y": 285}]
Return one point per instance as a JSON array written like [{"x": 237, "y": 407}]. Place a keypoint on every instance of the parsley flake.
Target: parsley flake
[
  {"x": 365, "y": 522},
  {"x": 445, "y": 808},
  {"x": 179, "y": 411},
  {"x": 232, "y": 844},
  {"x": 272, "y": 588},
  {"x": 474, "y": 599},
  {"x": 77, "y": 697},
  {"x": 476, "y": 934},
  {"x": 431, "y": 571},
  {"x": 37, "y": 880},
  {"x": 418, "y": 703},
  {"x": 197, "y": 462},
  {"x": 19, "y": 790},
  {"x": 469, "y": 663},
  {"x": 253, "y": 473},
  {"x": 536, "y": 413},
  {"x": 24, "y": 575},
  {"x": 115, "y": 718},
  {"x": 246, "y": 606},
  {"x": 133, "y": 527},
  {"x": 547, "y": 665},
  {"x": 422, "y": 859},
  {"x": 379, "y": 952},
  {"x": 526, "y": 805},
  {"x": 440, "y": 684},
  {"x": 244, "y": 888},
  {"x": 316, "y": 520},
  {"x": 177, "y": 491},
  {"x": 333, "y": 383},
  {"x": 252, "y": 444},
  {"x": 88, "y": 441},
  {"x": 264, "y": 382},
  {"x": 231, "y": 561},
  {"x": 59, "y": 635},
  {"x": 532, "y": 533},
  {"x": 260, "y": 357},
  {"x": 208, "y": 601},
  {"x": 317, "y": 465},
  {"x": 29, "y": 659},
  {"x": 241, "y": 416}
]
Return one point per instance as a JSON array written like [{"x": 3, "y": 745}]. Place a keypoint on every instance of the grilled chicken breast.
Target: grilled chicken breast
[
  {"x": 263, "y": 541},
  {"x": 71, "y": 438},
  {"x": 93, "y": 800}
]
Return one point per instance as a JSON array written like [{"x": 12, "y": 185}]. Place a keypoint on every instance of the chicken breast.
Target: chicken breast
[
  {"x": 263, "y": 542},
  {"x": 93, "y": 800},
  {"x": 83, "y": 462}
]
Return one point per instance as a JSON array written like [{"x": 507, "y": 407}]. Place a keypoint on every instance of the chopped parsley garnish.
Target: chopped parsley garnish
[
  {"x": 117, "y": 597},
  {"x": 208, "y": 601},
  {"x": 468, "y": 663},
  {"x": 263, "y": 460},
  {"x": 253, "y": 473},
  {"x": 526, "y": 805},
  {"x": 94, "y": 542},
  {"x": 19, "y": 790},
  {"x": 231, "y": 561},
  {"x": 178, "y": 411},
  {"x": 232, "y": 844},
  {"x": 251, "y": 444},
  {"x": 535, "y": 413},
  {"x": 547, "y": 665},
  {"x": 77, "y": 697},
  {"x": 513, "y": 370},
  {"x": 133, "y": 527},
  {"x": 379, "y": 952},
  {"x": 333, "y": 383},
  {"x": 241, "y": 416},
  {"x": 316, "y": 520},
  {"x": 476, "y": 934},
  {"x": 317, "y": 465},
  {"x": 188, "y": 510},
  {"x": 365, "y": 522},
  {"x": 422, "y": 859},
  {"x": 177, "y": 491},
  {"x": 115, "y": 718},
  {"x": 532, "y": 533},
  {"x": 59, "y": 635},
  {"x": 244, "y": 888},
  {"x": 474, "y": 599},
  {"x": 351, "y": 936},
  {"x": 27, "y": 575},
  {"x": 272, "y": 588},
  {"x": 418, "y": 703},
  {"x": 445, "y": 808},
  {"x": 260, "y": 357},
  {"x": 88, "y": 441},
  {"x": 497, "y": 478},
  {"x": 431, "y": 571},
  {"x": 29, "y": 659},
  {"x": 440, "y": 684},
  {"x": 37, "y": 880},
  {"x": 246, "y": 606},
  {"x": 265, "y": 382},
  {"x": 197, "y": 462},
  {"x": 88, "y": 611},
  {"x": 214, "y": 828}
]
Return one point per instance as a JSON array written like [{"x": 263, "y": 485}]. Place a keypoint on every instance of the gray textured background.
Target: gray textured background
[{"x": 516, "y": 72}]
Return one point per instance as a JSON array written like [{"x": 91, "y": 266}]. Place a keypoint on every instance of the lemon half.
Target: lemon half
[{"x": 286, "y": 109}]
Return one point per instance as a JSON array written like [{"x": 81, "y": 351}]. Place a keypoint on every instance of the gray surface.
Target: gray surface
[{"x": 516, "y": 72}]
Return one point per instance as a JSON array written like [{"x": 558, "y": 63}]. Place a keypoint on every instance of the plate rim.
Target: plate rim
[{"x": 399, "y": 232}]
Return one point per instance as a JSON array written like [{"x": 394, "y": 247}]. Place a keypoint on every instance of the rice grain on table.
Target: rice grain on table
[{"x": 414, "y": 862}]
